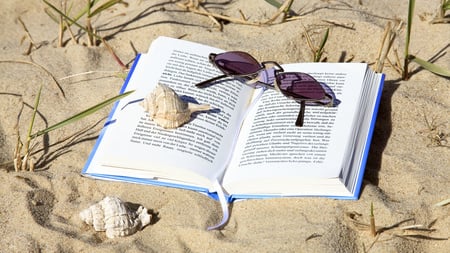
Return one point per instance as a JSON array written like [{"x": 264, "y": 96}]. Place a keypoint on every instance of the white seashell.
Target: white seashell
[
  {"x": 113, "y": 216},
  {"x": 167, "y": 109}
]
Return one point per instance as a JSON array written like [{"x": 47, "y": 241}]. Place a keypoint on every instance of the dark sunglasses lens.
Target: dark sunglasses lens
[
  {"x": 300, "y": 86},
  {"x": 236, "y": 63}
]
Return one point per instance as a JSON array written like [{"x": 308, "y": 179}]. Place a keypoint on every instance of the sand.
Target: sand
[{"x": 406, "y": 175}]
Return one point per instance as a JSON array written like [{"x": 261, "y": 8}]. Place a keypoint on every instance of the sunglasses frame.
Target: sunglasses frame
[{"x": 278, "y": 71}]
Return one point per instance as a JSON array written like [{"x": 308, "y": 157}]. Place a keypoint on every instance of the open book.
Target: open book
[{"x": 247, "y": 145}]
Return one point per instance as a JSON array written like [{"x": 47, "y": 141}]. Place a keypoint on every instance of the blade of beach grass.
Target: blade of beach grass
[
  {"x": 319, "y": 52},
  {"x": 408, "y": 36},
  {"x": 372, "y": 226},
  {"x": 316, "y": 52},
  {"x": 83, "y": 12},
  {"x": 284, "y": 8},
  {"x": 61, "y": 26},
  {"x": 56, "y": 19},
  {"x": 90, "y": 33},
  {"x": 88, "y": 9},
  {"x": 430, "y": 66},
  {"x": 106, "y": 6},
  {"x": 72, "y": 21},
  {"x": 274, "y": 3},
  {"x": 446, "y": 5},
  {"x": 81, "y": 114},
  {"x": 287, "y": 10},
  {"x": 440, "y": 15},
  {"x": 33, "y": 117},
  {"x": 408, "y": 58},
  {"x": 88, "y": 24},
  {"x": 21, "y": 162}
]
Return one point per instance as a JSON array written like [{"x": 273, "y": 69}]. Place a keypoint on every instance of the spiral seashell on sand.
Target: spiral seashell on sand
[
  {"x": 114, "y": 217},
  {"x": 167, "y": 109}
]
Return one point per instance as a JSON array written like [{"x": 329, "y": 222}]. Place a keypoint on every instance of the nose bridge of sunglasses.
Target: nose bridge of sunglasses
[{"x": 264, "y": 78}]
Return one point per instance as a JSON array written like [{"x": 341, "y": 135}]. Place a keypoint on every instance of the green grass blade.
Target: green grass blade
[
  {"x": 36, "y": 104},
  {"x": 72, "y": 21},
  {"x": 409, "y": 25},
  {"x": 63, "y": 14},
  {"x": 322, "y": 46},
  {"x": 324, "y": 40},
  {"x": 274, "y": 3},
  {"x": 278, "y": 5},
  {"x": 53, "y": 17},
  {"x": 408, "y": 36},
  {"x": 288, "y": 8},
  {"x": 84, "y": 11},
  {"x": 446, "y": 6},
  {"x": 33, "y": 118},
  {"x": 88, "y": 8},
  {"x": 430, "y": 66},
  {"x": 81, "y": 114},
  {"x": 104, "y": 7}
]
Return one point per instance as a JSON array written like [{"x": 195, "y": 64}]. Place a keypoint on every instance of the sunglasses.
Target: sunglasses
[{"x": 298, "y": 86}]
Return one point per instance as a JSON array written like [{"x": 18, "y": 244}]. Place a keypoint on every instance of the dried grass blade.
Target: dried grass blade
[
  {"x": 41, "y": 67},
  {"x": 282, "y": 9},
  {"x": 443, "y": 202}
]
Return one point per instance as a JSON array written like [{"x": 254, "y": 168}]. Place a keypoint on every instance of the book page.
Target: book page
[
  {"x": 272, "y": 149},
  {"x": 135, "y": 146}
]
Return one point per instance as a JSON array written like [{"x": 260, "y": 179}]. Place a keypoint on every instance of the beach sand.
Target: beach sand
[{"x": 406, "y": 175}]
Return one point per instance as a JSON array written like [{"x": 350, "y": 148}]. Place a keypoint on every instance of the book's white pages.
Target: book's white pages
[
  {"x": 248, "y": 141},
  {"x": 131, "y": 147},
  {"x": 326, "y": 156}
]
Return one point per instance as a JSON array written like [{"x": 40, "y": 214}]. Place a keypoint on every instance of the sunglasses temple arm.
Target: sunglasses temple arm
[
  {"x": 205, "y": 83},
  {"x": 301, "y": 114}
]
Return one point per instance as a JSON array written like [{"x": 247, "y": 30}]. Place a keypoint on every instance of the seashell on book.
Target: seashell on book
[
  {"x": 114, "y": 217},
  {"x": 167, "y": 109}
]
